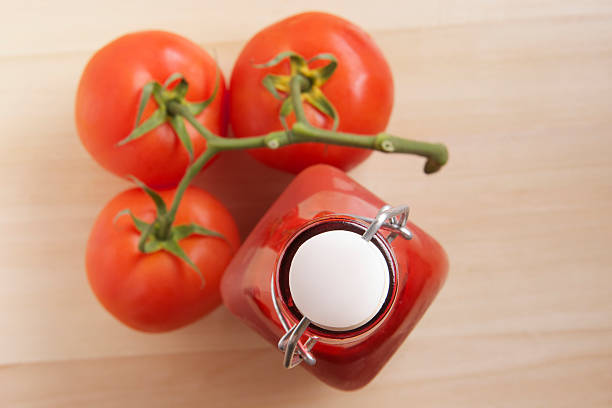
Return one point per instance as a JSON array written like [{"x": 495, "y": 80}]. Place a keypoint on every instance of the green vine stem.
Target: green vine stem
[
  {"x": 173, "y": 107},
  {"x": 167, "y": 219},
  {"x": 301, "y": 132},
  {"x": 296, "y": 85}
]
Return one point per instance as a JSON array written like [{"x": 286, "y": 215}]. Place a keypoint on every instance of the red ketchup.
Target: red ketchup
[{"x": 334, "y": 277}]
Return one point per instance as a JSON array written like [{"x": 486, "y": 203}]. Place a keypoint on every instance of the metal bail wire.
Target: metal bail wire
[
  {"x": 391, "y": 218},
  {"x": 295, "y": 351},
  {"x": 388, "y": 218}
]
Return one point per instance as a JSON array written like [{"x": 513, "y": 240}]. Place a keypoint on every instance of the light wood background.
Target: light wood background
[{"x": 521, "y": 91}]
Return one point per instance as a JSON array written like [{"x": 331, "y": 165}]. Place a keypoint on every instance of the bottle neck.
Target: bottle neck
[{"x": 352, "y": 286}]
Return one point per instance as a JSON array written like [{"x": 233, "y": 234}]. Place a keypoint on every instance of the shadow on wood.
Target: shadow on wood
[{"x": 245, "y": 186}]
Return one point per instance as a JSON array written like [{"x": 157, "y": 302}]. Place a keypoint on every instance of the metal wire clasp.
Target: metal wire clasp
[
  {"x": 391, "y": 218},
  {"x": 296, "y": 351}
]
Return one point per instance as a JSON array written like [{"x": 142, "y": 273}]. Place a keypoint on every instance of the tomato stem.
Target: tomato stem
[
  {"x": 303, "y": 131},
  {"x": 176, "y": 108},
  {"x": 435, "y": 153},
  {"x": 297, "y": 84},
  {"x": 311, "y": 80},
  {"x": 300, "y": 132},
  {"x": 167, "y": 219}
]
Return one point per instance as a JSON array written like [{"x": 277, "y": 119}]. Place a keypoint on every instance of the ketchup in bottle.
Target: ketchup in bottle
[{"x": 335, "y": 277}]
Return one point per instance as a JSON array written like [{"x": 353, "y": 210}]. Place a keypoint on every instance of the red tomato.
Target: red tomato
[
  {"x": 361, "y": 88},
  {"x": 109, "y": 94},
  {"x": 157, "y": 291}
]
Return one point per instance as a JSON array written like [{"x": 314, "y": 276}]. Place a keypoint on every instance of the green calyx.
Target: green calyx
[
  {"x": 311, "y": 80},
  {"x": 167, "y": 100},
  {"x": 160, "y": 235}
]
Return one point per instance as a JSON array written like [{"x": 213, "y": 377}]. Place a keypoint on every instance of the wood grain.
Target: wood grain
[{"x": 520, "y": 91}]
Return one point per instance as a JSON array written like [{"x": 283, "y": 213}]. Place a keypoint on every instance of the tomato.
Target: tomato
[
  {"x": 108, "y": 98},
  {"x": 158, "y": 291},
  {"x": 361, "y": 88}
]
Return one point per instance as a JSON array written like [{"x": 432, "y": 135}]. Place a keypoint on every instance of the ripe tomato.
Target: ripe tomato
[
  {"x": 361, "y": 88},
  {"x": 108, "y": 97},
  {"x": 157, "y": 291}
]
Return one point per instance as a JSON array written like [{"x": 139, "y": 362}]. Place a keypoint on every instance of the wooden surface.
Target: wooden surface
[{"x": 520, "y": 91}]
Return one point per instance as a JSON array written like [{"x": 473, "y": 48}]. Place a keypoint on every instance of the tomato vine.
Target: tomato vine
[{"x": 302, "y": 85}]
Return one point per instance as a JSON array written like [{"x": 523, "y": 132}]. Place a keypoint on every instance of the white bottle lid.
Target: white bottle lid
[{"x": 338, "y": 280}]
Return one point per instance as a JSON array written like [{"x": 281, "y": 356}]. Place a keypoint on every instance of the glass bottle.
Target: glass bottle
[{"x": 334, "y": 277}]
